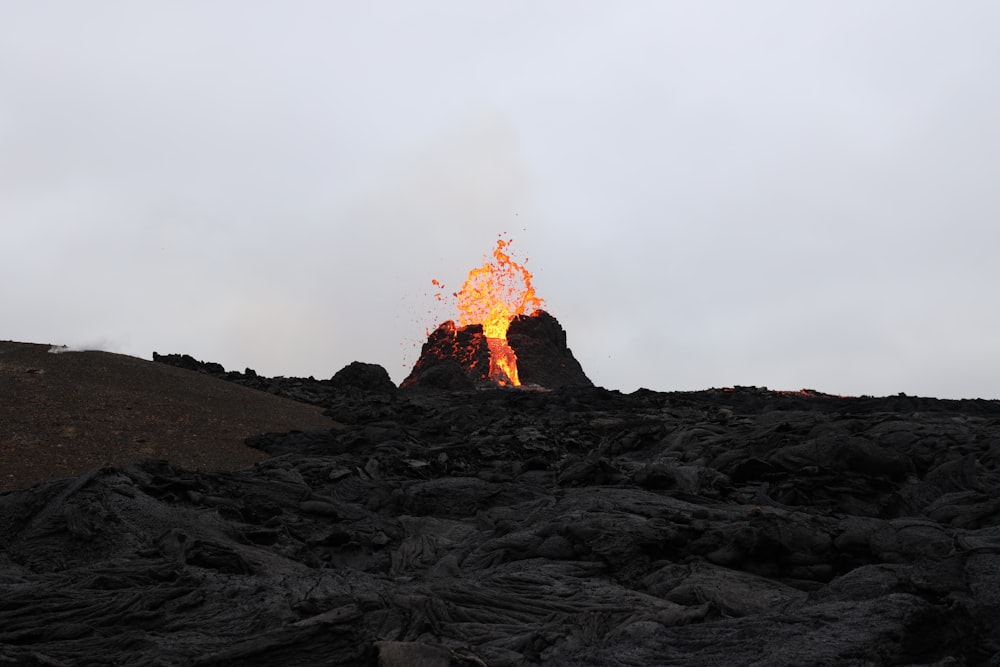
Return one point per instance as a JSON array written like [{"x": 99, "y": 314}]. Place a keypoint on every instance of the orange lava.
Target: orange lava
[{"x": 493, "y": 295}]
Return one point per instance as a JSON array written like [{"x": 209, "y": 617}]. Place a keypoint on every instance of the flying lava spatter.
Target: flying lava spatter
[{"x": 493, "y": 295}]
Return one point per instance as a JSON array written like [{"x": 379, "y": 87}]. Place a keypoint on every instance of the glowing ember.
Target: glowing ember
[{"x": 493, "y": 295}]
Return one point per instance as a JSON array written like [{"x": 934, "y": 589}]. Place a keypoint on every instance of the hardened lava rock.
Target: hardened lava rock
[
  {"x": 543, "y": 358},
  {"x": 574, "y": 527},
  {"x": 456, "y": 358}
]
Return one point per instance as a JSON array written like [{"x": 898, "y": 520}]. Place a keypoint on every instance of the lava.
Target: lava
[{"x": 493, "y": 295}]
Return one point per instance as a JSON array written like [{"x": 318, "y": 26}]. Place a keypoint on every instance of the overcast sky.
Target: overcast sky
[{"x": 775, "y": 193}]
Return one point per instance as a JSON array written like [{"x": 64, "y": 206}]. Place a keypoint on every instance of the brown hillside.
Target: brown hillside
[{"x": 64, "y": 414}]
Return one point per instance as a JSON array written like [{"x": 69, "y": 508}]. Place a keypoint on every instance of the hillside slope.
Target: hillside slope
[{"x": 62, "y": 415}]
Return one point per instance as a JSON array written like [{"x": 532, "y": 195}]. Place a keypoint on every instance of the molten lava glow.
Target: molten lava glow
[{"x": 493, "y": 295}]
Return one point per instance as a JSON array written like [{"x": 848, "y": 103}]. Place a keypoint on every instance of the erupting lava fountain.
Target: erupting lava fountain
[{"x": 494, "y": 296}]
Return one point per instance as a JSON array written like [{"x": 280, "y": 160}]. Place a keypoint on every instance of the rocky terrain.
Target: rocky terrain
[
  {"x": 506, "y": 526},
  {"x": 459, "y": 357}
]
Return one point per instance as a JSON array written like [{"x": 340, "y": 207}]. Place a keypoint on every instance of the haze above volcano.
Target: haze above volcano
[{"x": 776, "y": 193}]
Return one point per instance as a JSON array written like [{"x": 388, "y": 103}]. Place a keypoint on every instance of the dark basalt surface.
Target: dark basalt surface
[
  {"x": 508, "y": 527},
  {"x": 456, "y": 357},
  {"x": 453, "y": 357},
  {"x": 307, "y": 390},
  {"x": 543, "y": 358}
]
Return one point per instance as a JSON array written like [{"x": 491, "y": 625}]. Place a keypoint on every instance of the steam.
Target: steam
[{"x": 101, "y": 345}]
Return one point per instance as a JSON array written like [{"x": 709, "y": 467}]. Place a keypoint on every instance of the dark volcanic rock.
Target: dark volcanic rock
[
  {"x": 456, "y": 358},
  {"x": 356, "y": 376},
  {"x": 367, "y": 377},
  {"x": 450, "y": 348},
  {"x": 542, "y": 356},
  {"x": 188, "y": 362},
  {"x": 494, "y": 527},
  {"x": 446, "y": 374}
]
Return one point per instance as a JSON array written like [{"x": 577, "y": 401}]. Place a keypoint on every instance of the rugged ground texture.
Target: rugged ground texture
[
  {"x": 455, "y": 358},
  {"x": 509, "y": 527}
]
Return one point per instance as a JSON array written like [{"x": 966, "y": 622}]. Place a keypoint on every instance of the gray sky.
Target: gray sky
[{"x": 781, "y": 193}]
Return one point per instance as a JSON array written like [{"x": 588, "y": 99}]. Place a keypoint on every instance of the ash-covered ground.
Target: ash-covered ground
[{"x": 503, "y": 526}]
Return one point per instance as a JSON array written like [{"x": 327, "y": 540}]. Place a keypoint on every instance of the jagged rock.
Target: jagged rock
[
  {"x": 370, "y": 378},
  {"x": 367, "y": 377},
  {"x": 455, "y": 358},
  {"x": 447, "y": 375},
  {"x": 542, "y": 356},
  {"x": 448, "y": 349},
  {"x": 188, "y": 362},
  {"x": 579, "y": 526}
]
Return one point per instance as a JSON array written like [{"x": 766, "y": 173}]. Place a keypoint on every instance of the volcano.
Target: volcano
[
  {"x": 461, "y": 357},
  {"x": 503, "y": 337}
]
